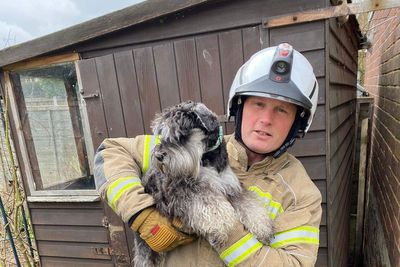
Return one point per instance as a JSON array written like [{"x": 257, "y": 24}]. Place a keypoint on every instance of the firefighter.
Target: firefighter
[{"x": 273, "y": 99}]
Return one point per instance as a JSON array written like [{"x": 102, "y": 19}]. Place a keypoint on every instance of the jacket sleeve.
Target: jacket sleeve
[
  {"x": 119, "y": 165},
  {"x": 295, "y": 242}
]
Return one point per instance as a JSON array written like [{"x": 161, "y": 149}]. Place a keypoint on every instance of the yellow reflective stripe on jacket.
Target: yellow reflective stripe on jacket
[
  {"x": 240, "y": 250},
  {"x": 150, "y": 142},
  {"x": 302, "y": 234},
  {"x": 118, "y": 187},
  {"x": 274, "y": 208}
]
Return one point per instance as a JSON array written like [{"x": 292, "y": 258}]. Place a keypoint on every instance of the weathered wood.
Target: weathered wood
[
  {"x": 147, "y": 84},
  {"x": 65, "y": 205},
  {"x": 210, "y": 72},
  {"x": 338, "y": 115},
  {"x": 303, "y": 38},
  {"x": 187, "y": 70},
  {"x": 71, "y": 262},
  {"x": 130, "y": 99},
  {"x": 89, "y": 85},
  {"x": 341, "y": 95},
  {"x": 321, "y": 184},
  {"x": 67, "y": 217},
  {"x": 311, "y": 145},
  {"x": 321, "y": 90},
  {"x": 317, "y": 60},
  {"x": 318, "y": 122},
  {"x": 330, "y": 12},
  {"x": 341, "y": 55},
  {"x": 42, "y": 61},
  {"x": 251, "y": 41},
  {"x": 341, "y": 34},
  {"x": 215, "y": 16},
  {"x": 168, "y": 89},
  {"x": 71, "y": 250},
  {"x": 110, "y": 97},
  {"x": 62, "y": 199},
  {"x": 71, "y": 233},
  {"x": 20, "y": 115},
  {"x": 231, "y": 54},
  {"x": 315, "y": 166},
  {"x": 322, "y": 259}
]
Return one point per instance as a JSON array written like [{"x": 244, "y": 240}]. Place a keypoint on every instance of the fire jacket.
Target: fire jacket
[{"x": 291, "y": 200}]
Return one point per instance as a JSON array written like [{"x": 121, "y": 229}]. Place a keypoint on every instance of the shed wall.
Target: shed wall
[
  {"x": 142, "y": 81},
  {"x": 342, "y": 72}
]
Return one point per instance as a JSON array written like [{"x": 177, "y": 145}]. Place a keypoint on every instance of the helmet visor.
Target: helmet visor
[{"x": 265, "y": 87}]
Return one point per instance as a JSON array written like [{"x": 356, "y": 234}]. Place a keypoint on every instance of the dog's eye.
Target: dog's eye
[{"x": 160, "y": 156}]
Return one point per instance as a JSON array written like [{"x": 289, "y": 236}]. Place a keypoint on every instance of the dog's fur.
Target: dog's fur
[{"x": 195, "y": 184}]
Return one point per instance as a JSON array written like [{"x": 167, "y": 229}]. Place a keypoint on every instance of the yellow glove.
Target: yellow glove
[{"x": 158, "y": 232}]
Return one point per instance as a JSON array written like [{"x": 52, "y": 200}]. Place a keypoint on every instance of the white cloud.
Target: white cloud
[
  {"x": 28, "y": 19},
  {"x": 12, "y": 34}
]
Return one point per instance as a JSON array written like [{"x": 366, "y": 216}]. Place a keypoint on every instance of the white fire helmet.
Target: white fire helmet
[{"x": 278, "y": 72}]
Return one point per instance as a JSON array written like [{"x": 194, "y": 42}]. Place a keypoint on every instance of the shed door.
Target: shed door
[{"x": 106, "y": 120}]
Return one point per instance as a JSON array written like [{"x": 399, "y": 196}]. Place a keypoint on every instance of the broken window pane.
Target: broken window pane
[{"x": 53, "y": 116}]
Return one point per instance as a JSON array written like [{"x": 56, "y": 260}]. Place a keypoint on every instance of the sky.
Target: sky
[{"x": 24, "y": 20}]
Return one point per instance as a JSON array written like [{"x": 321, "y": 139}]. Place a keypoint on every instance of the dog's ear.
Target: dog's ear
[{"x": 158, "y": 124}]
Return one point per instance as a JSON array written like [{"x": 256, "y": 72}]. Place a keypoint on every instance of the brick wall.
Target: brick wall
[{"x": 382, "y": 80}]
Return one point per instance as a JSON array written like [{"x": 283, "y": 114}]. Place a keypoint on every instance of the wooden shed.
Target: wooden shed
[{"x": 107, "y": 78}]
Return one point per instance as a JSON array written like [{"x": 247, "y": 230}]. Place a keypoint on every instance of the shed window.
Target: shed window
[{"x": 53, "y": 119}]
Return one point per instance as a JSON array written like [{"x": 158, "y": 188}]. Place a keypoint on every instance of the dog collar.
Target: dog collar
[{"x": 219, "y": 140}]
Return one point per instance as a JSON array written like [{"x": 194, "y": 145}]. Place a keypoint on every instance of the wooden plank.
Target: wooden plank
[
  {"x": 311, "y": 145},
  {"x": 67, "y": 217},
  {"x": 187, "y": 70},
  {"x": 251, "y": 41},
  {"x": 323, "y": 237},
  {"x": 329, "y": 12},
  {"x": 65, "y": 205},
  {"x": 303, "y": 37},
  {"x": 340, "y": 171},
  {"x": 340, "y": 33},
  {"x": 341, "y": 95},
  {"x": 216, "y": 16},
  {"x": 231, "y": 53},
  {"x": 321, "y": 91},
  {"x": 164, "y": 59},
  {"x": 324, "y": 214},
  {"x": 71, "y": 250},
  {"x": 89, "y": 85},
  {"x": 20, "y": 117},
  {"x": 210, "y": 72},
  {"x": 42, "y": 61},
  {"x": 315, "y": 166},
  {"x": 264, "y": 37},
  {"x": 130, "y": 99},
  {"x": 71, "y": 233},
  {"x": 340, "y": 54},
  {"x": 321, "y": 184},
  {"x": 147, "y": 83},
  {"x": 71, "y": 262},
  {"x": 317, "y": 60},
  {"x": 338, "y": 115},
  {"x": 338, "y": 137},
  {"x": 110, "y": 96},
  {"x": 361, "y": 188},
  {"x": 318, "y": 122},
  {"x": 322, "y": 259}
]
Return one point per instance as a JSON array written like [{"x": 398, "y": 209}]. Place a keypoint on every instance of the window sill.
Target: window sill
[{"x": 60, "y": 199}]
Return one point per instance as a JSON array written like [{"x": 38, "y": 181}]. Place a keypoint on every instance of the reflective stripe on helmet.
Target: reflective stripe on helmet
[
  {"x": 302, "y": 234},
  {"x": 273, "y": 208},
  {"x": 240, "y": 250},
  {"x": 150, "y": 142},
  {"x": 119, "y": 187}
]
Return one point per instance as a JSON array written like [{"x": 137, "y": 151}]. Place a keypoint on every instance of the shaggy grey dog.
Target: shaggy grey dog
[{"x": 190, "y": 179}]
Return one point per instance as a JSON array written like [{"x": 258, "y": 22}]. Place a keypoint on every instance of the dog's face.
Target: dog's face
[
  {"x": 175, "y": 124},
  {"x": 186, "y": 131}
]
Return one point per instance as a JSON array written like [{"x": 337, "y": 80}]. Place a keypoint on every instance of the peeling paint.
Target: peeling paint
[{"x": 207, "y": 57}]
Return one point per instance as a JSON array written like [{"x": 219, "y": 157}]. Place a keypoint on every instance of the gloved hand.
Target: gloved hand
[{"x": 158, "y": 232}]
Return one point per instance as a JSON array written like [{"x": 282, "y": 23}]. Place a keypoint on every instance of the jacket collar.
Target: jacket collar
[{"x": 237, "y": 153}]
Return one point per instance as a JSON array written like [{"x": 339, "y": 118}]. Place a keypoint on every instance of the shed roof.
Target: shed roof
[{"x": 96, "y": 27}]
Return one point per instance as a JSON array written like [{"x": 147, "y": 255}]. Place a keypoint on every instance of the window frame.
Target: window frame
[{"x": 46, "y": 195}]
